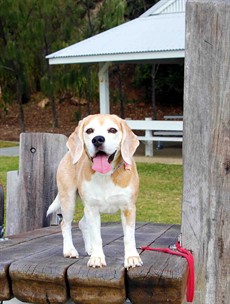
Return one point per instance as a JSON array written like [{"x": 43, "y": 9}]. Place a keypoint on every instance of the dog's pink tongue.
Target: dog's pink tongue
[{"x": 101, "y": 164}]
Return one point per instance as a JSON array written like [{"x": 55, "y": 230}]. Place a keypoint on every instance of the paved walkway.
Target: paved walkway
[
  {"x": 12, "y": 151},
  {"x": 170, "y": 154}
]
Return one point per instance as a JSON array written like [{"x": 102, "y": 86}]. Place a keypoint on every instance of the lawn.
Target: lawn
[
  {"x": 159, "y": 197},
  {"x": 7, "y": 144}
]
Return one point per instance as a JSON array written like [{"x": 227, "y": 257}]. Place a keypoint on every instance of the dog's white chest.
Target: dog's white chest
[{"x": 102, "y": 193}]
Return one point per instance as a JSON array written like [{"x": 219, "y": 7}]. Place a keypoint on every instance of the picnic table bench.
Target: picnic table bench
[
  {"x": 33, "y": 269},
  {"x": 157, "y": 130}
]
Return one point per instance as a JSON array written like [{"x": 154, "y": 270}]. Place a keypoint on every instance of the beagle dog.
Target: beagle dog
[{"x": 99, "y": 167}]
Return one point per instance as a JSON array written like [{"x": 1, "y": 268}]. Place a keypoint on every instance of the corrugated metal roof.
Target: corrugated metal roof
[
  {"x": 147, "y": 37},
  {"x": 166, "y": 7}
]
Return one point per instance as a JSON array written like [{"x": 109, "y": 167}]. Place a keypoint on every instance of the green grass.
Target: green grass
[
  {"x": 7, "y": 164},
  {"x": 160, "y": 193},
  {"x": 7, "y": 144}
]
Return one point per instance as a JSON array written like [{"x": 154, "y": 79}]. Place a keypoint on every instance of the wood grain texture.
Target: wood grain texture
[
  {"x": 206, "y": 148},
  {"x": 5, "y": 290},
  {"x": 20, "y": 247},
  {"x": 12, "y": 201},
  {"x": 33, "y": 269},
  {"x": 1, "y": 205},
  {"x": 36, "y": 280},
  {"x": 163, "y": 277},
  {"x": 40, "y": 154},
  {"x": 88, "y": 285},
  {"x": 95, "y": 285}
]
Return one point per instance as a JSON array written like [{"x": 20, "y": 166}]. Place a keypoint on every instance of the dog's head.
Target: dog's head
[{"x": 104, "y": 138}]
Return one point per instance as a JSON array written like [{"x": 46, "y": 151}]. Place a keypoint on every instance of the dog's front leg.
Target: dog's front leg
[
  {"x": 132, "y": 258},
  {"x": 93, "y": 219}
]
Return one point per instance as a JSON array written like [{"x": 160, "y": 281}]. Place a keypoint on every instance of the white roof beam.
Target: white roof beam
[{"x": 117, "y": 57}]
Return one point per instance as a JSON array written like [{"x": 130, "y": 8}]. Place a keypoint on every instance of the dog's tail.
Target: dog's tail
[{"x": 54, "y": 206}]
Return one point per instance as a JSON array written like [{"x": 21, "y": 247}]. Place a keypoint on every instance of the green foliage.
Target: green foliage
[
  {"x": 169, "y": 81},
  {"x": 138, "y": 7},
  {"x": 111, "y": 14},
  {"x": 31, "y": 29}
]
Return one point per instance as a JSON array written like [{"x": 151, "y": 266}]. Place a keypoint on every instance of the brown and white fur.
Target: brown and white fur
[{"x": 108, "y": 192}]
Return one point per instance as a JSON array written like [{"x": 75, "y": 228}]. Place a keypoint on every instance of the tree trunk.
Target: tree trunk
[
  {"x": 52, "y": 97},
  {"x": 21, "y": 111},
  {"x": 121, "y": 94},
  {"x": 153, "y": 75},
  {"x": 54, "y": 111},
  {"x": 88, "y": 88}
]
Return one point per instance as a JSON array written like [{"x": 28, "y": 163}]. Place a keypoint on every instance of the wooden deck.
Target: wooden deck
[{"x": 33, "y": 269}]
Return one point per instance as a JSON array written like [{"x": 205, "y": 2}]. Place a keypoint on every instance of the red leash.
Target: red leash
[{"x": 186, "y": 254}]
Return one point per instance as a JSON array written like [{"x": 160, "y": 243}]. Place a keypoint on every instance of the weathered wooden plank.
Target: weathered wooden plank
[
  {"x": 23, "y": 246},
  {"x": 88, "y": 285},
  {"x": 162, "y": 278},
  {"x": 25, "y": 237},
  {"x": 206, "y": 153},
  {"x": 5, "y": 290},
  {"x": 12, "y": 210},
  {"x": 38, "y": 279},
  {"x": 1, "y": 209},
  {"x": 33, "y": 269},
  {"x": 145, "y": 235},
  {"x": 97, "y": 285},
  {"x": 44, "y": 272},
  {"x": 40, "y": 154},
  {"x": 94, "y": 285}
]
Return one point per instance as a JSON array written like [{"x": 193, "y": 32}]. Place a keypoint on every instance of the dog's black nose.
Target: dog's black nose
[{"x": 98, "y": 141}]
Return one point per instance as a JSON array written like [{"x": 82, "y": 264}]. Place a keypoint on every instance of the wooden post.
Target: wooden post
[
  {"x": 12, "y": 203},
  {"x": 30, "y": 192},
  {"x": 206, "y": 147},
  {"x": 1, "y": 210},
  {"x": 148, "y": 144}
]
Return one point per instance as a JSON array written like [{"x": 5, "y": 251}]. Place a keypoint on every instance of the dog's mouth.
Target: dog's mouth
[{"x": 102, "y": 162}]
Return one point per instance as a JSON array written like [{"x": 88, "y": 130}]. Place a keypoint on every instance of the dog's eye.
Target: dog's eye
[
  {"x": 89, "y": 131},
  {"x": 112, "y": 130}
]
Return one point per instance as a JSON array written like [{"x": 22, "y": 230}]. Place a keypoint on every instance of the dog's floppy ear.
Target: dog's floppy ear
[
  {"x": 75, "y": 143},
  {"x": 129, "y": 143}
]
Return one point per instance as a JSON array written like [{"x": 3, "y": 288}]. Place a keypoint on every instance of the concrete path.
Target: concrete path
[{"x": 12, "y": 151}]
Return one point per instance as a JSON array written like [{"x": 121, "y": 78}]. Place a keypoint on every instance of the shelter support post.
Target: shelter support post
[
  {"x": 104, "y": 87},
  {"x": 206, "y": 148},
  {"x": 148, "y": 144}
]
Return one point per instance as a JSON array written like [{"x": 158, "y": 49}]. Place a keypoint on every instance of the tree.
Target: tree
[
  {"x": 138, "y": 7},
  {"x": 55, "y": 32},
  {"x": 15, "y": 59},
  {"x": 30, "y": 30}
]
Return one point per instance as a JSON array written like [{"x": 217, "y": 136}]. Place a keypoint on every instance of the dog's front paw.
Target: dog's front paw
[
  {"x": 96, "y": 261},
  {"x": 70, "y": 253},
  {"x": 133, "y": 261}
]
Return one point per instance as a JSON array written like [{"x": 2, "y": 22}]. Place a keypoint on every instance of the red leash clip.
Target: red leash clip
[{"x": 189, "y": 257}]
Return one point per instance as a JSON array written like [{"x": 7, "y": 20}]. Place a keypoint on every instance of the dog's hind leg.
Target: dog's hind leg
[
  {"x": 86, "y": 236},
  {"x": 68, "y": 208}
]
